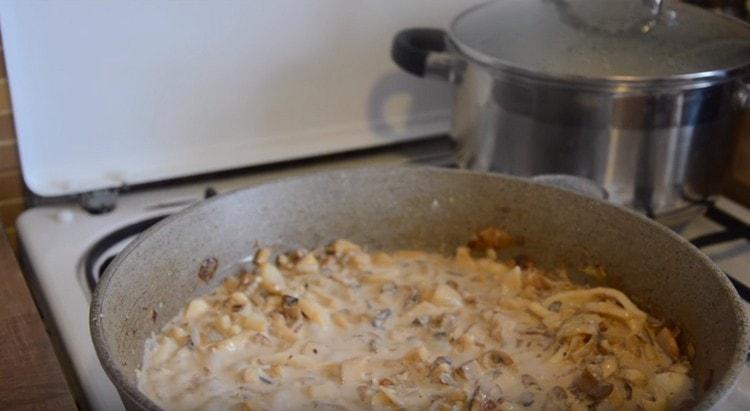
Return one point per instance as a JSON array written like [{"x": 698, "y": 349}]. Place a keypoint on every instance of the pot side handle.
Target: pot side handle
[{"x": 423, "y": 52}]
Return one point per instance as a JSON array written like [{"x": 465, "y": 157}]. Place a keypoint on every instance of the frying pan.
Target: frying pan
[{"x": 425, "y": 208}]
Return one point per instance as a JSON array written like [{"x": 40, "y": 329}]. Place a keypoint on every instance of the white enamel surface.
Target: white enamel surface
[{"x": 107, "y": 93}]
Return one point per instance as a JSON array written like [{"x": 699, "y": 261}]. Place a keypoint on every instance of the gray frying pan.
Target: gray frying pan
[{"x": 426, "y": 208}]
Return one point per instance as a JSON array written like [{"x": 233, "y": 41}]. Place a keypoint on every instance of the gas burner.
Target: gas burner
[
  {"x": 733, "y": 229},
  {"x": 106, "y": 249}
]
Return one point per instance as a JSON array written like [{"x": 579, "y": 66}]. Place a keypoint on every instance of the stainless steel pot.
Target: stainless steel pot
[
  {"x": 638, "y": 97},
  {"x": 432, "y": 209}
]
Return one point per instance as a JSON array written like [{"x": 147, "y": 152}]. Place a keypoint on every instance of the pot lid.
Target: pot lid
[{"x": 622, "y": 40}]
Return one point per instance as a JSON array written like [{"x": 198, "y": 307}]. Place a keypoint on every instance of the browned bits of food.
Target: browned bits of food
[
  {"x": 522, "y": 261},
  {"x": 386, "y": 382},
  {"x": 343, "y": 328},
  {"x": 491, "y": 238},
  {"x": 207, "y": 269},
  {"x": 289, "y": 301}
]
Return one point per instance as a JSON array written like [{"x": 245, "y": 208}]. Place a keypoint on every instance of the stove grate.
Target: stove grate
[{"x": 733, "y": 229}]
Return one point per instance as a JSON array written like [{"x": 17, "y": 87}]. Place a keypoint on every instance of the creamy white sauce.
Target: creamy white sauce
[{"x": 345, "y": 329}]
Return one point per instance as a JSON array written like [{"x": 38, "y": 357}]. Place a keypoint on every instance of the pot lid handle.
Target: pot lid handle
[{"x": 636, "y": 20}]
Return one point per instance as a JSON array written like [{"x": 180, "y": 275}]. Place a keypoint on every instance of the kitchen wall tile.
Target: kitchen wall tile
[
  {"x": 11, "y": 185},
  {"x": 9, "y": 210},
  {"x": 8, "y": 155},
  {"x": 10, "y": 232},
  {"x": 7, "y": 129},
  {"x": 4, "y": 95}
]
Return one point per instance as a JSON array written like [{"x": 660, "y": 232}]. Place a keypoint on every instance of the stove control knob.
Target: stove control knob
[{"x": 65, "y": 216}]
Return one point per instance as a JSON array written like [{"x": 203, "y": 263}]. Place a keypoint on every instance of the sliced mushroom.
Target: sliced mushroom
[
  {"x": 469, "y": 370},
  {"x": 440, "y": 369},
  {"x": 380, "y": 317},
  {"x": 412, "y": 298},
  {"x": 446, "y": 379},
  {"x": 481, "y": 401},
  {"x": 441, "y": 360},
  {"x": 526, "y": 398},
  {"x": 288, "y": 300},
  {"x": 528, "y": 381},
  {"x": 495, "y": 358},
  {"x": 595, "y": 389},
  {"x": 555, "y": 306},
  {"x": 208, "y": 268},
  {"x": 628, "y": 391}
]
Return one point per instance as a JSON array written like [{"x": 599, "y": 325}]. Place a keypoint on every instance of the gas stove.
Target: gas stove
[
  {"x": 113, "y": 119},
  {"x": 66, "y": 249}
]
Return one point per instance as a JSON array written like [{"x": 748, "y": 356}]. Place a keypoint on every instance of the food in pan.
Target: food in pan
[{"x": 343, "y": 328}]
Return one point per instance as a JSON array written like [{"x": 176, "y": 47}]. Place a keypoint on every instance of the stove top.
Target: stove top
[{"x": 65, "y": 250}]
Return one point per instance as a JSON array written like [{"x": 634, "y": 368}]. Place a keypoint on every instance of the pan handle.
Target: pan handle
[{"x": 423, "y": 52}]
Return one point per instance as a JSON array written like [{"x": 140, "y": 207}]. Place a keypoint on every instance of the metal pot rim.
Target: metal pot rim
[
  {"x": 678, "y": 81},
  {"x": 618, "y": 83}
]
